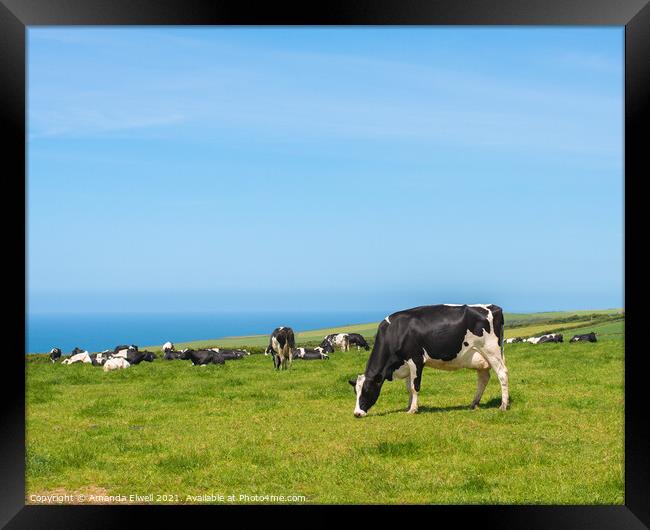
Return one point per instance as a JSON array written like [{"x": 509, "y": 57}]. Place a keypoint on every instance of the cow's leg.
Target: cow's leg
[
  {"x": 415, "y": 378},
  {"x": 482, "y": 381},
  {"x": 495, "y": 359}
]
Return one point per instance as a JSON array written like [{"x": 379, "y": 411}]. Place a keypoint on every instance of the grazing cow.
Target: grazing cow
[
  {"x": 358, "y": 341},
  {"x": 338, "y": 339},
  {"x": 168, "y": 346},
  {"x": 78, "y": 356},
  {"x": 590, "y": 337},
  {"x": 116, "y": 363},
  {"x": 281, "y": 345},
  {"x": 444, "y": 336},
  {"x": 202, "y": 357},
  {"x": 326, "y": 346},
  {"x": 514, "y": 340},
  {"x": 55, "y": 354},
  {"x": 310, "y": 354}
]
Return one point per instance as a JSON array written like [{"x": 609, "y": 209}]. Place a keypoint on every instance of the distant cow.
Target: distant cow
[
  {"x": 78, "y": 356},
  {"x": 115, "y": 363},
  {"x": 358, "y": 341},
  {"x": 590, "y": 337},
  {"x": 55, "y": 354},
  {"x": 310, "y": 354},
  {"x": 444, "y": 336},
  {"x": 514, "y": 340},
  {"x": 172, "y": 355},
  {"x": 281, "y": 345},
  {"x": 550, "y": 337},
  {"x": 136, "y": 357},
  {"x": 100, "y": 359},
  {"x": 168, "y": 346},
  {"x": 231, "y": 355},
  {"x": 122, "y": 349},
  {"x": 202, "y": 357}
]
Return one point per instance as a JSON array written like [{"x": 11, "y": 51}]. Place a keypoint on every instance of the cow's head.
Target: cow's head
[{"x": 367, "y": 392}]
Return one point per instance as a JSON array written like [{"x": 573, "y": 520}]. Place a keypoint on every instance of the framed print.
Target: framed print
[{"x": 351, "y": 259}]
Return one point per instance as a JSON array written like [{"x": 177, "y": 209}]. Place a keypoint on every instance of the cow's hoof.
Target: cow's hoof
[
  {"x": 411, "y": 411},
  {"x": 473, "y": 406},
  {"x": 503, "y": 407}
]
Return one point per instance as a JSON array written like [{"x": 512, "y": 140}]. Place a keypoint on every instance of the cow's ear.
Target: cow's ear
[{"x": 353, "y": 382}]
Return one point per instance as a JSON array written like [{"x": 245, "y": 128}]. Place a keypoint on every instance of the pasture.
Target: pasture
[{"x": 170, "y": 429}]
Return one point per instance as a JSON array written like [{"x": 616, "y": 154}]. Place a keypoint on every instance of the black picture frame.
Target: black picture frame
[{"x": 17, "y": 15}]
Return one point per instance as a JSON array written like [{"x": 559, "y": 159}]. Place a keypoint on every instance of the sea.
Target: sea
[{"x": 100, "y": 331}]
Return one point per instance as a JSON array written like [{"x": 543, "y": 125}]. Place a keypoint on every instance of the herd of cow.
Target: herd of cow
[
  {"x": 281, "y": 346},
  {"x": 444, "y": 336},
  {"x": 554, "y": 337}
]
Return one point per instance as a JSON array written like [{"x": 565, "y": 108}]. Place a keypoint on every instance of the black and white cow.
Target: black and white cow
[
  {"x": 281, "y": 345},
  {"x": 115, "y": 363},
  {"x": 444, "y": 336},
  {"x": 310, "y": 354},
  {"x": 338, "y": 339},
  {"x": 514, "y": 340},
  {"x": 136, "y": 357},
  {"x": 99, "y": 359},
  {"x": 231, "y": 355},
  {"x": 172, "y": 355},
  {"x": 168, "y": 346},
  {"x": 358, "y": 341},
  {"x": 550, "y": 337},
  {"x": 590, "y": 337},
  {"x": 55, "y": 354},
  {"x": 326, "y": 346},
  {"x": 78, "y": 356},
  {"x": 202, "y": 357},
  {"x": 122, "y": 349}
]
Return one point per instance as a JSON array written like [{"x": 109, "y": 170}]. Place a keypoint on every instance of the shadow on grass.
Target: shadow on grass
[{"x": 494, "y": 403}]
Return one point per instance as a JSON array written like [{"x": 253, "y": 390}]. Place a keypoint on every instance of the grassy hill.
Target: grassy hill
[{"x": 517, "y": 324}]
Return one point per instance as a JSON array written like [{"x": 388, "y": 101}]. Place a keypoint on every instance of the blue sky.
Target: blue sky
[{"x": 324, "y": 168}]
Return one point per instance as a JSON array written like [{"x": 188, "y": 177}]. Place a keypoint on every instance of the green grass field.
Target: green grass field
[{"x": 170, "y": 429}]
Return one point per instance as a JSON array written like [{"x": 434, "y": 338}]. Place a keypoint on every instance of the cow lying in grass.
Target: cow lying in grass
[
  {"x": 587, "y": 337},
  {"x": 116, "y": 363},
  {"x": 78, "y": 356},
  {"x": 310, "y": 354},
  {"x": 202, "y": 357},
  {"x": 55, "y": 354},
  {"x": 230, "y": 355},
  {"x": 550, "y": 337}
]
